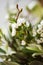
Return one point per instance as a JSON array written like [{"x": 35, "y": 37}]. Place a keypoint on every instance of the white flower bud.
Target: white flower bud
[
  {"x": 41, "y": 34},
  {"x": 13, "y": 32},
  {"x": 42, "y": 22},
  {"x": 20, "y": 21},
  {"x": 39, "y": 31},
  {"x": 27, "y": 24},
  {"x": 9, "y": 59},
  {"x": 41, "y": 40},
  {"x": 38, "y": 41},
  {"x": 14, "y": 25},
  {"x": 23, "y": 42},
  {"x": 39, "y": 26}
]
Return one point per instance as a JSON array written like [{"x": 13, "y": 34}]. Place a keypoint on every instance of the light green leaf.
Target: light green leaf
[{"x": 35, "y": 48}]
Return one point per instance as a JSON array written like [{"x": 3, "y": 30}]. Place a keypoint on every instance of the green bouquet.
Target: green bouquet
[{"x": 25, "y": 46}]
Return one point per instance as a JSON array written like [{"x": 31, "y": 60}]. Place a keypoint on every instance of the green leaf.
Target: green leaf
[
  {"x": 35, "y": 48},
  {"x": 12, "y": 20},
  {"x": 8, "y": 63},
  {"x": 2, "y": 51}
]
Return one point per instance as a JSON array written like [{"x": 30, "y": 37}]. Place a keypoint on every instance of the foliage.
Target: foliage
[{"x": 23, "y": 48}]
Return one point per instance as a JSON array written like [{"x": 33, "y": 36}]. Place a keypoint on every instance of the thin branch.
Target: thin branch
[{"x": 19, "y": 11}]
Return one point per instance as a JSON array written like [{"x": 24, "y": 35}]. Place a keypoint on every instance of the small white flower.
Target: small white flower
[
  {"x": 41, "y": 40},
  {"x": 39, "y": 26},
  {"x": 18, "y": 24},
  {"x": 41, "y": 34},
  {"x": 9, "y": 59},
  {"x": 20, "y": 21},
  {"x": 14, "y": 25},
  {"x": 38, "y": 41},
  {"x": 42, "y": 22},
  {"x": 13, "y": 32},
  {"x": 27, "y": 24},
  {"x": 39, "y": 31},
  {"x": 23, "y": 42}
]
